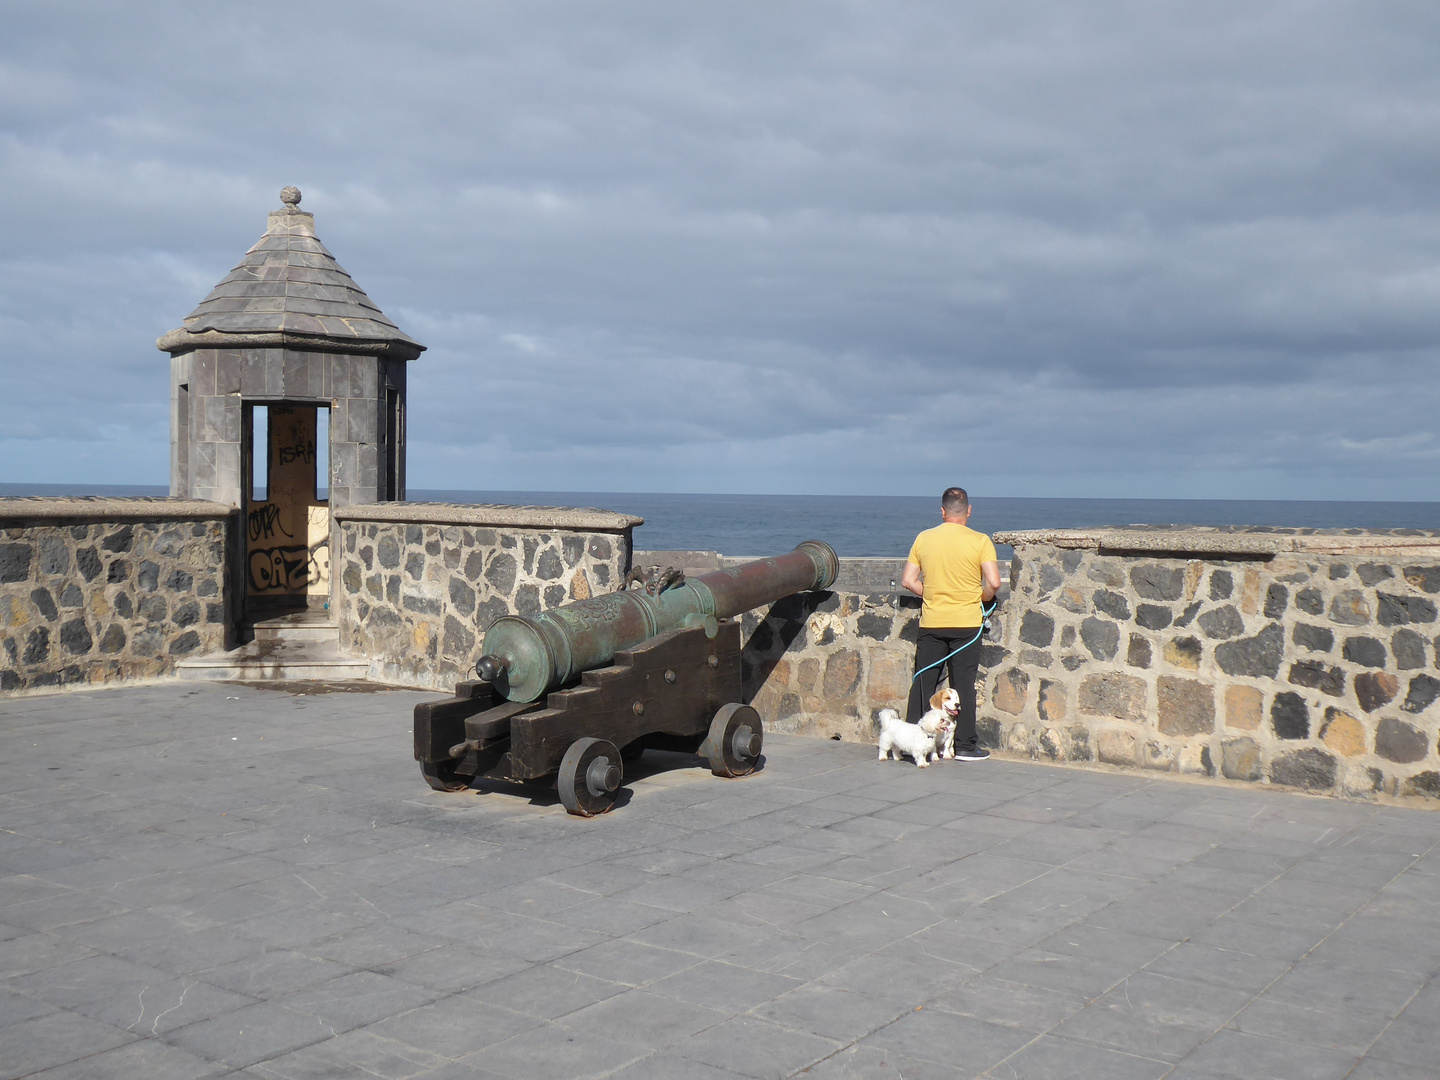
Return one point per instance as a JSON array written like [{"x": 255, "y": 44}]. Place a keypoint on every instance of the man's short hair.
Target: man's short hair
[{"x": 954, "y": 501}]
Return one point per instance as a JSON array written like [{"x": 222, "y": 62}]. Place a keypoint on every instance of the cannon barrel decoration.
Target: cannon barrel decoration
[
  {"x": 657, "y": 668},
  {"x": 526, "y": 656}
]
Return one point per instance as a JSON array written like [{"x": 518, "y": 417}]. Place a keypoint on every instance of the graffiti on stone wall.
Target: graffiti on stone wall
[
  {"x": 263, "y": 523},
  {"x": 289, "y": 568}
]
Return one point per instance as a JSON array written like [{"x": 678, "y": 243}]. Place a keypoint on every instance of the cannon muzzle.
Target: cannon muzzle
[{"x": 528, "y": 656}]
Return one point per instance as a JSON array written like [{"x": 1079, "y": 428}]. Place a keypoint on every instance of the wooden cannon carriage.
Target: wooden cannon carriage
[{"x": 619, "y": 674}]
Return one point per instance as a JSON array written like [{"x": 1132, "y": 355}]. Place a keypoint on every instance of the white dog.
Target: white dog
[
  {"x": 915, "y": 740},
  {"x": 946, "y": 702}
]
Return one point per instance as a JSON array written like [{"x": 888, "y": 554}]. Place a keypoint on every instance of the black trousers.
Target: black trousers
[{"x": 933, "y": 644}]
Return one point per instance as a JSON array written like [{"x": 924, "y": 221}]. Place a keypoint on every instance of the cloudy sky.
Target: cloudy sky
[{"x": 1103, "y": 249}]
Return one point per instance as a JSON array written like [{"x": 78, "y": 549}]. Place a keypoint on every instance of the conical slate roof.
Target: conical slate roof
[{"x": 290, "y": 291}]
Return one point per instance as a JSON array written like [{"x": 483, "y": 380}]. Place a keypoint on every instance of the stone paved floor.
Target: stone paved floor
[{"x": 204, "y": 880}]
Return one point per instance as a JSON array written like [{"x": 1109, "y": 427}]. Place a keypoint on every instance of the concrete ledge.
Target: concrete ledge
[
  {"x": 486, "y": 515},
  {"x": 857, "y": 574},
  {"x": 25, "y": 509},
  {"x": 1237, "y": 540}
]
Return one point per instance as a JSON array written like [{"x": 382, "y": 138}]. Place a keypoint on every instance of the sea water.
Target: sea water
[{"x": 879, "y": 525}]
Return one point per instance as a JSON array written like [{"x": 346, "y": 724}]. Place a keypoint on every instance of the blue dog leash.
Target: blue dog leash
[{"x": 984, "y": 612}]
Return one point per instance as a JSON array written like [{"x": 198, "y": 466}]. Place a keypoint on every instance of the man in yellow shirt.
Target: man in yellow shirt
[{"x": 954, "y": 570}]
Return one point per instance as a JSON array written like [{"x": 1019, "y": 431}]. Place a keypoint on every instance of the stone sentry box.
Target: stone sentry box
[
  {"x": 1305, "y": 658},
  {"x": 289, "y": 331}
]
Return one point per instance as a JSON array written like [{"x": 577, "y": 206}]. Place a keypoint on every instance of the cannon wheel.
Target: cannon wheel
[
  {"x": 736, "y": 736},
  {"x": 441, "y": 776},
  {"x": 590, "y": 774}
]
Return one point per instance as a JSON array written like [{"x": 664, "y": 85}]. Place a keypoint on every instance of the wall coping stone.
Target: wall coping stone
[
  {"x": 23, "y": 509},
  {"x": 1242, "y": 540},
  {"x": 489, "y": 515}
]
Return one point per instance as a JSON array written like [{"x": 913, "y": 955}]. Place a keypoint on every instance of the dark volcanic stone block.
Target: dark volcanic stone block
[
  {"x": 1317, "y": 676},
  {"x": 549, "y": 567},
  {"x": 527, "y": 600},
  {"x": 1409, "y": 650},
  {"x": 462, "y": 595},
  {"x": 1372, "y": 573},
  {"x": 1314, "y": 638},
  {"x": 1398, "y": 741},
  {"x": 1153, "y": 616},
  {"x": 1256, "y": 657},
  {"x": 1423, "y": 692},
  {"x": 1111, "y": 603},
  {"x": 1398, "y": 610},
  {"x": 387, "y": 551},
  {"x": 87, "y": 561},
  {"x": 1277, "y": 598},
  {"x": 55, "y": 556},
  {"x": 1311, "y": 769},
  {"x": 120, "y": 541},
  {"x": 501, "y": 573},
  {"x": 1375, "y": 688},
  {"x": 1424, "y": 578},
  {"x": 1222, "y": 584},
  {"x": 75, "y": 637},
  {"x": 1138, "y": 655},
  {"x": 1222, "y": 622},
  {"x": 1189, "y": 613},
  {"x": 1155, "y": 582},
  {"x": 15, "y": 562},
  {"x": 1037, "y": 628},
  {"x": 148, "y": 576},
  {"x": 1290, "y": 716},
  {"x": 877, "y": 627},
  {"x": 37, "y": 646},
  {"x": 1426, "y": 783},
  {"x": 44, "y": 603},
  {"x": 1101, "y": 637},
  {"x": 1365, "y": 651},
  {"x": 1311, "y": 601}
]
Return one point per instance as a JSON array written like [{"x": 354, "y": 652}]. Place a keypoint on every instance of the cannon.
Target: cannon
[{"x": 653, "y": 668}]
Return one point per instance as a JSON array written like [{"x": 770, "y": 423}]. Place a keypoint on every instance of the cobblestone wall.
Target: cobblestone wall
[
  {"x": 824, "y": 663},
  {"x": 1308, "y": 660},
  {"x": 93, "y": 590},
  {"x": 416, "y": 593}
]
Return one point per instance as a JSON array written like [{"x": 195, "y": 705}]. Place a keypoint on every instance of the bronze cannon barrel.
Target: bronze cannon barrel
[{"x": 526, "y": 656}]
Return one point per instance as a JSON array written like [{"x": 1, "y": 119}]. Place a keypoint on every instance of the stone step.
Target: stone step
[
  {"x": 299, "y": 626},
  {"x": 276, "y": 660}
]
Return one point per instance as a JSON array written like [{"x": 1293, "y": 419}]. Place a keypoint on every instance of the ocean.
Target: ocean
[{"x": 880, "y": 525}]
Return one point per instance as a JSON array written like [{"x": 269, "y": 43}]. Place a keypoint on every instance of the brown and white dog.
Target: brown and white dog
[
  {"x": 944, "y": 704},
  {"x": 919, "y": 741}
]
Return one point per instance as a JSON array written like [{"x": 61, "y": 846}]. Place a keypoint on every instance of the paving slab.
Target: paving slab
[{"x": 205, "y": 880}]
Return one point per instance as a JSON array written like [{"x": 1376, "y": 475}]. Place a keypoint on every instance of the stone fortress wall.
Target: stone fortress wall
[
  {"x": 94, "y": 590},
  {"x": 1299, "y": 658},
  {"x": 419, "y": 583}
]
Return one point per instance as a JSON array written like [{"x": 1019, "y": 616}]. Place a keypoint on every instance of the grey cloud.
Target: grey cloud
[{"x": 1114, "y": 248}]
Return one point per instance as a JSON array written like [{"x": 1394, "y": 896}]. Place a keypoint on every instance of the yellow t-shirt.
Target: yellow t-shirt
[{"x": 950, "y": 556}]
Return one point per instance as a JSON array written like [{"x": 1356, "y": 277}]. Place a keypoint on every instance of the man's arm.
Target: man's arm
[
  {"x": 990, "y": 571},
  {"x": 910, "y": 578}
]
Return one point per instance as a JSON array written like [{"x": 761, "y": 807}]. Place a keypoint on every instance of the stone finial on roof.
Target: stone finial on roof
[{"x": 289, "y": 292}]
